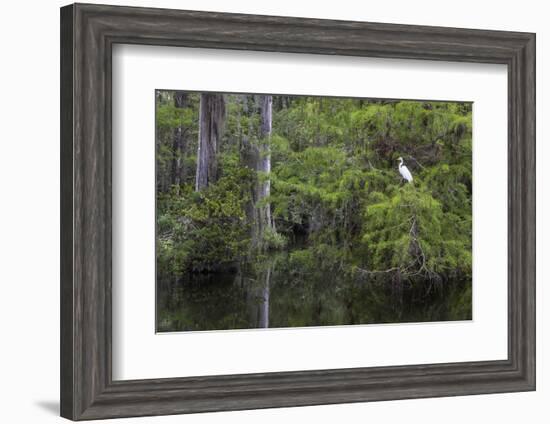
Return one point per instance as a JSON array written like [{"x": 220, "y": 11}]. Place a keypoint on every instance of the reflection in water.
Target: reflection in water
[{"x": 280, "y": 295}]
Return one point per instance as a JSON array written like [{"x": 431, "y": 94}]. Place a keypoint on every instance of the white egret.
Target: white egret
[{"x": 404, "y": 171}]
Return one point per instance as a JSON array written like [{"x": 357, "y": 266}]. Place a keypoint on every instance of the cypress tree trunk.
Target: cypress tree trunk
[
  {"x": 178, "y": 143},
  {"x": 264, "y": 164},
  {"x": 176, "y": 159},
  {"x": 256, "y": 155},
  {"x": 211, "y": 119}
]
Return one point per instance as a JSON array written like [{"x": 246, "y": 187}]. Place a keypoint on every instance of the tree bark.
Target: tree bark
[
  {"x": 211, "y": 120},
  {"x": 176, "y": 158},
  {"x": 257, "y": 156},
  {"x": 178, "y": 143},
  {"x": 264, "y": 165}
]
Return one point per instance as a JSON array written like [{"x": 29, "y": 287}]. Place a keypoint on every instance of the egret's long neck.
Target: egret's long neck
[{"x": 400, "y": 163}]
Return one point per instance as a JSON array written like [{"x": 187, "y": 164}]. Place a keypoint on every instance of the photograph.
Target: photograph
[{"x": 277, "y": 211}]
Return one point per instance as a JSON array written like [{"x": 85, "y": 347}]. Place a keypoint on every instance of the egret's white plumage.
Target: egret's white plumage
[{"x": 404, "y": 171}]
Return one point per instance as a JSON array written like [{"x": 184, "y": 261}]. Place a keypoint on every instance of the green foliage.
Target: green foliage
[
  {"x": 204, "y": 231},
  {"x": 272, "y": 240},
  {"x": 336, "y": 194},
  {"x": 170, "y": 117},
  {"x": 169, "y": 120},
  {"x": 408, "y": 230}
]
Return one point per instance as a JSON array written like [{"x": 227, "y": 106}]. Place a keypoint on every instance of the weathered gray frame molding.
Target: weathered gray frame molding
[{"x": 88, "y": 33}]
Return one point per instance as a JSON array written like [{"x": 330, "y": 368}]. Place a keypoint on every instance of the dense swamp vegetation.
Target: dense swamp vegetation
[{"x": 286, "y": 211}]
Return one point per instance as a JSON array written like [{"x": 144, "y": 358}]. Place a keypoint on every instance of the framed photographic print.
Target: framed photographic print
[
  {"x": 278, "y": 211},
  {"x": 268, "y": 211}
]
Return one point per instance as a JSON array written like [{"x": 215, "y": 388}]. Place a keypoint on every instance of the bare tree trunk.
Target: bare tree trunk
[
  {"x": 264, "y": 165},
  {"x": 257, "y": 156},
  {"x": 211, "y": 119},
  {"x": 178, "y": 142}
]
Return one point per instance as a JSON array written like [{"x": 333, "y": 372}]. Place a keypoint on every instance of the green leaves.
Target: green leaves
[
  {"x": 410, "y": 229},
  {"x": 205, "y": 230},
  {"x": 336, "y": 193}
]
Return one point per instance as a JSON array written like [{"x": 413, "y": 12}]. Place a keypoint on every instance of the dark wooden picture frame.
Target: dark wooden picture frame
[{"x": 88, "y": 33}]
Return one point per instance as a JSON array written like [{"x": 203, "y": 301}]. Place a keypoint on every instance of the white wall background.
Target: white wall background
[{"x": 29, "y": 214}]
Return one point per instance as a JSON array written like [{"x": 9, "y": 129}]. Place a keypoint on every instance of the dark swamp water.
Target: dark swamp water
[{"x": 279, "y": 294}]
